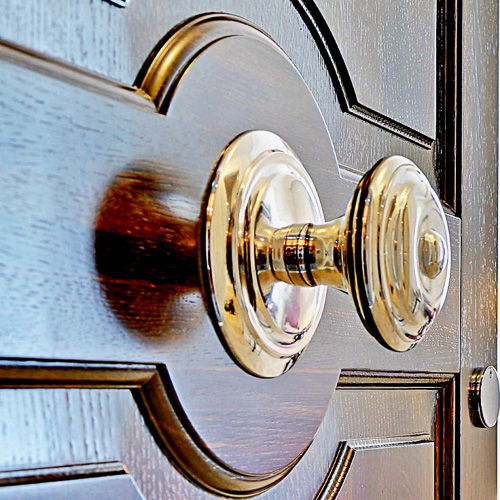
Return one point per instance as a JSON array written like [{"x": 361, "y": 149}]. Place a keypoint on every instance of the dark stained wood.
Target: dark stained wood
[
  {"x": 449, "y": 104},
  {"x": 123, "y": 211},
  {"x": 379, "y": 62},
  {"x": 402, "y": 472},
  {"x": 359, "y": 151},
  {"x": 105, "y": 488},
  {"x": 35, "y": 373},
  {"x": 362, "y": 418},
  {"x": 129, "y": 35},
  {"x": 135, "y": 308},
  {"x": 479, "y": 193},
  {"x": 109, "y": 352},
  {"x": 96, "y": 426},
  {"x": 445, "y": 438},
  {"x": 62, "y": 473},
  {"x": 94, "y": 195},
  {"x": 444, "y": 434},
  {"x": 327, "y": 22}
]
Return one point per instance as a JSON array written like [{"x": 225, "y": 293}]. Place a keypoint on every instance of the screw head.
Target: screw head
[{"x": 484, "y": 397}]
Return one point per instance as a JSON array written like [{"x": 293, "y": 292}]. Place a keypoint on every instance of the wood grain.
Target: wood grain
[
  {"x": 364, "y": 398},
  {"x": 373, "y": 472},
  {"x": 116, "y": 42},
  {"x": 104, "y": 488},
  {"x": 105, "y": 245},
  {"x": 134, "y": 182},
  {"x": 102, "y": 425},
  {"x": 479, "y": 191},
  {"x": 82, "y": 152},
  {"x": 380, "y": 62},
  {"x": 62, "y": 473}
]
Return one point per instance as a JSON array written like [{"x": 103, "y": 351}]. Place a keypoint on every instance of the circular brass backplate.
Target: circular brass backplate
[{"x": 259, "y": 186}]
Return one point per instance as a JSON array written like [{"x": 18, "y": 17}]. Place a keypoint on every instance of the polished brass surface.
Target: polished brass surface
[
  {"x": 391, "y": 251},
  {"x": 397, "y": 252},
  {"x": 260, "y": 186},
  {"x": 270, "y": 253},
  {"x": 484, "y": 397},
  {"x": 193, "y": 79}
]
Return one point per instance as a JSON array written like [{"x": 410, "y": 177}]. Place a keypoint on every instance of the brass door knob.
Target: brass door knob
[{"x": 270, "y": 253}]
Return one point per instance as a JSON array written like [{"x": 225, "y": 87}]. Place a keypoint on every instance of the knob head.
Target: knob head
[{"x": 397, "y": 252}]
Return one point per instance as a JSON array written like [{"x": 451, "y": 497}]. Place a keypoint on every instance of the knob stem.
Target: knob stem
[{"x": 311, "y": 254}]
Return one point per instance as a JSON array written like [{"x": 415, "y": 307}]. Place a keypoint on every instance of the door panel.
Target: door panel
[
  {"x": 372, "y": 473},
  {"x": 103, "y": 429},
  {"x": 106, "y": 488},
  {"x": 131, "y": 136},
  {"x": 112, "y": 309},
  {"x": 115, "y": 42},
  {"x": 479, "y": 162},
  {"x": 108, "y": 346},
  {"x": 382, "y": 65}
]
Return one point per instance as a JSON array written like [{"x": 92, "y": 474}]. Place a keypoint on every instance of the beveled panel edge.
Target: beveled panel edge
[
  {"x": 346, "y": 453},
  {"x": 337, "y": 473},
  {"x": 32, "y": 373},
  {"x": 119, "y": 3},
  {"x": 172, "y": 56},
  {"x": 446, "y": 385},
  {"x": 16, "y": 477},
  {"x": 156, "y": 399},
  {"x": 337, "y": 69},
  {"x": 367, "y": 379},
  {"x": 74, "y": 75},
  {"x": 447, "y": 150},
  {"x": 447, "y": 138}
]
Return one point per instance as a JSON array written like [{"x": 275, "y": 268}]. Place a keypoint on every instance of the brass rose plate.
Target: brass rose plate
[{"x": 259, "y": 187}]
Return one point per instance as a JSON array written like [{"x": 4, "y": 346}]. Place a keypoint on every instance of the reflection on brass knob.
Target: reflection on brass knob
[
  {"x": 270, "y": 253},
  {"x": 433, "y": 256}
]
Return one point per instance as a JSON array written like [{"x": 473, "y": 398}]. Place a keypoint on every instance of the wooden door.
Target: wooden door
[{"x": 114, "y": 382}]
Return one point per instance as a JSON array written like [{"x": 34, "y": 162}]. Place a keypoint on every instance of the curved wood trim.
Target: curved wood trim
[
  {"x": 175, "y": 52},
  {"x": 337, "y": 473},
  {"x": 150, "y": 384},
  {"x": 339, "y": 73},
  {"x": 344, "y": 459},
  {"x": 159, "y": 406},
  {"x": 167, "y": 63},
  {"x": 164, "y": 416}
]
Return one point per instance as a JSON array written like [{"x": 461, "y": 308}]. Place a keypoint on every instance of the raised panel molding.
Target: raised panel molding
[
  {"x": 386, "y": 92},
  {"x": 403, "y": 443},
  {"x": 387, "y": 55},
  {"x": 421, "y": 410},
  {"x": 104, "y": 488},
  {"x": 115, "y": 41},
  {"x": 411, "y": 461}
]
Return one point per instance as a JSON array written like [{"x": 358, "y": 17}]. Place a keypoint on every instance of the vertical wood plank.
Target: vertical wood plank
[{"x": 479, "y": 153}]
